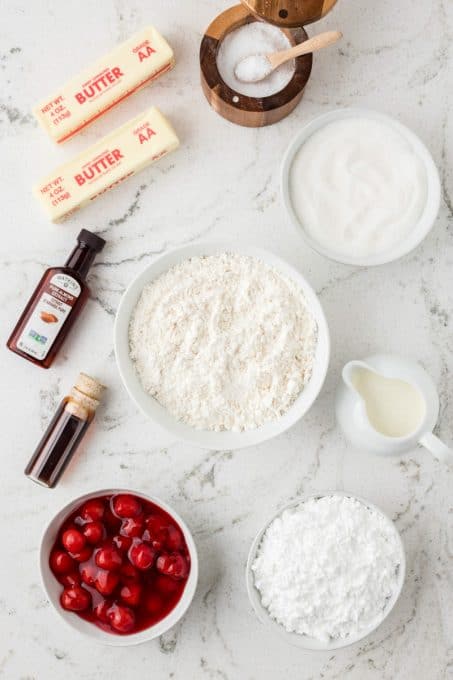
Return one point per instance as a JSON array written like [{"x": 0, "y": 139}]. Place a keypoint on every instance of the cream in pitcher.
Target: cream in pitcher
[
  {"x": 387, "y": 404},
  {"x": 394, "y": 407}
]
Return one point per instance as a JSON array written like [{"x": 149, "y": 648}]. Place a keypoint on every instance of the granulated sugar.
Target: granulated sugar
[
  {"x": 254, "y": 39},
  {"x": 224, "y": 342},
  {"x": 328, "y": 567}
]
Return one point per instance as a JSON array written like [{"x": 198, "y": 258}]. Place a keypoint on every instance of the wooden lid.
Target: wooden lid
[{"x": 289, "y": 13}]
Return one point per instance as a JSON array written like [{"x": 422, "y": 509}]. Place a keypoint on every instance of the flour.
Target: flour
[
  {"x": 327, "y": 568},
  {"x": 224, "y": 342}
]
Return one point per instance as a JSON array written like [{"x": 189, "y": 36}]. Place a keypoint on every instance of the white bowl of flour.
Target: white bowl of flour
[
  {"x": 360, "y": 187},
  {"x": 222, "y": 369},
  {"x": 326, "y": 570}
]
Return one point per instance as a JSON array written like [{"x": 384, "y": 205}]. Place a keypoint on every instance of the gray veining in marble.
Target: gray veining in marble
[{"x": 223, "y": 183}]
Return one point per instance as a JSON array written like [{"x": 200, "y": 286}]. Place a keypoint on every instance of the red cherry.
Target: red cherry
[
  {"x": 84, "y": 555},
  {"x": 73, "y": 540},
  {"x": 132, "y": 527},
  {"x": 129, "y": 573},
  {"x": 165, "y": 585},
  {"x": 89, "y": 573},
  {"x": 106, "y": 582},
  {"x": 122, "y": 619},
  {"x": 154, "y": 603},
  {"x": 75, "y": 599},
  {"x": 156, "y": 531},
  {"x": 94, "y": 532},
  {"x": 125, "y": 505},
  {"x": 175, "y": 540},
  {"x": 142, "y": 555},
  {"x": 70, "y": 580},
  {"x": 173, "y": 565},
  {"x": 131, "y": 593},
  {"x": 123, "y": 543},
  {"x": 60, "y": 562},
  {"x": 111, "y": 521},
  {"x": 93, "y": 510},
  {"x": 102, "y": 611},
  {"x": 109, "y": 557}
]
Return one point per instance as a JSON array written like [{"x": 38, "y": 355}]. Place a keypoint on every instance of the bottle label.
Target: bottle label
[{"x": 48, "y": 316}]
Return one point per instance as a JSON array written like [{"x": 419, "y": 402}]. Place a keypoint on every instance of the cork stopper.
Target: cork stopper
[
  {"x": 85, "y": 396},
  {"x": 90, "y": 387}
]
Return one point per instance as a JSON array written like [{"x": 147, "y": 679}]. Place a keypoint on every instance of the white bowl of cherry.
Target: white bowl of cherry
[{"x": 119, "y": 566}]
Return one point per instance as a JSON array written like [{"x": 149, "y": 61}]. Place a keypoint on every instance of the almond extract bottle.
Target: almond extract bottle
[{"x": 55, "y": 304}]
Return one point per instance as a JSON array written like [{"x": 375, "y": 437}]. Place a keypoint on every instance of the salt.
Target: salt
[
  {"x": 253, "y": 68},
  {"x": 253, "y": 40}
]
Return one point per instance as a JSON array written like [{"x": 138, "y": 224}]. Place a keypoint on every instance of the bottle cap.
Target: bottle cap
[
  {"x": 85, "y": 396},
  {"x": 90, "y": 387},
  {"x": 91, "y": 240}
]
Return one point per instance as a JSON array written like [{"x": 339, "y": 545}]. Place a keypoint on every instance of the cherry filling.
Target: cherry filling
[{"x": 122, "y": 562}]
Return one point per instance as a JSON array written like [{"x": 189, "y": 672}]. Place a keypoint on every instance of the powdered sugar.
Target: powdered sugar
[
  {"x": 224, "y": 342},
  {"x": 328, "y": 567}
]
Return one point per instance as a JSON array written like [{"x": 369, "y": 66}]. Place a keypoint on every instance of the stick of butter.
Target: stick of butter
[
  {"x": 121, "y": 154},
  {"x": 101, "y": 86}
]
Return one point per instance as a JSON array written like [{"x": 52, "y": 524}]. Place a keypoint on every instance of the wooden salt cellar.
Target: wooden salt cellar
[{"x": 258, "y": 111}]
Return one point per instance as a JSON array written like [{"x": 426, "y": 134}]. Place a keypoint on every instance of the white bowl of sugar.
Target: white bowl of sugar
[
  {"x": 360, "y": 187},
  {"x": 326, "y": 570},
  {"x": 156, "y": 356}
]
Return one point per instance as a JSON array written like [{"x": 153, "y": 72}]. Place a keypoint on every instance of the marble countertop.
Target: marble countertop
[{"x": 223, "y": 183}]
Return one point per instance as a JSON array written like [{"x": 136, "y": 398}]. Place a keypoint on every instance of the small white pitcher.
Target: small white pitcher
[{"x": 352, "y": 414}]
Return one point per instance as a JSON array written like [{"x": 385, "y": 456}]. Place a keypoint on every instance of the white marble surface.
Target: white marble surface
[{"x": 223, "y": 183}]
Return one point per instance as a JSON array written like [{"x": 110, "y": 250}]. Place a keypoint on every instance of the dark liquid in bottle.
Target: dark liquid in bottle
[
  {"x": 55, "y": 449},
  {"x": 55, "y": 304}
]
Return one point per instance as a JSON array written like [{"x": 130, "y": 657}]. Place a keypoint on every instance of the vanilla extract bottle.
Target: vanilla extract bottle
[{"x": 65, "y": 432}]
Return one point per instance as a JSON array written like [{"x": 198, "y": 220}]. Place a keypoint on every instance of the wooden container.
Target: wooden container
[{"x": 258, "y": 111}]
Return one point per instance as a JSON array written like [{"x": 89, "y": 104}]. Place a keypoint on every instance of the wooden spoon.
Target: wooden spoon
[{"x": 256, "y": 67}]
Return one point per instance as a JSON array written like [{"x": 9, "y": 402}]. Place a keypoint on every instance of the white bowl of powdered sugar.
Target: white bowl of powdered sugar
[
  {"x": 224, "y": 347},
  {"x": 326, "y": 570}
]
